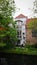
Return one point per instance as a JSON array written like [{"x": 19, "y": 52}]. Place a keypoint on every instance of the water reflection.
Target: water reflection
[
  {"x": 16, "y": 59},
  {"x": 7, "y": 61},
  {"x": 3, "y": 61}
]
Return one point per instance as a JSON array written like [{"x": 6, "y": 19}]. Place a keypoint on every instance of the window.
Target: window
[
  {"x": 18, "y": 42},
  {"x": 23, "y": 33},
  {"x": 23, "y": 37},
  {"x": 19, "y": 34},
  {"x": 34, "y": 33}
]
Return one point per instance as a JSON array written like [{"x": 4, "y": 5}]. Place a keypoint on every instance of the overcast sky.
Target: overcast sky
[{"x": 25, "y": 7}]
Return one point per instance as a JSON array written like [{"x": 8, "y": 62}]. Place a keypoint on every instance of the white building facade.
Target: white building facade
[{"x": 21, "y": 29}]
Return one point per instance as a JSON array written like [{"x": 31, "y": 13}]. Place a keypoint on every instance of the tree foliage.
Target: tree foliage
[
  {"x": 7, "y": 24},
  {"x": 35, "y": 7},
  {"x": 33, "y": 23}
]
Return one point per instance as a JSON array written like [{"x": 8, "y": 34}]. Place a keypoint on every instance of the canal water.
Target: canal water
[{"x": 17, "y": 59}]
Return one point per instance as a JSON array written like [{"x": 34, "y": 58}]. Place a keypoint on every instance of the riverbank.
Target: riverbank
[{"x": 21, "y": 50}]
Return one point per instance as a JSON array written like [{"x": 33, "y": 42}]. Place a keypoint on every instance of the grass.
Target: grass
[
  {"x": 2, "y": 44},
  {"x": 19, "y": 50}
]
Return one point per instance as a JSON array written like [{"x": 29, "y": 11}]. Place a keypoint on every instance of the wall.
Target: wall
[{"x": 29, "y": 39}]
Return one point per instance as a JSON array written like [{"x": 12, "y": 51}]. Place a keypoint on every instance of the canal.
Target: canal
[{"x": 17, "y": 59}]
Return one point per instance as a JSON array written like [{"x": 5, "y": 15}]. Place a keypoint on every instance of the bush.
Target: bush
[
  {"x": 31, "y": 46},
  {"x": 35, "y": 45}
]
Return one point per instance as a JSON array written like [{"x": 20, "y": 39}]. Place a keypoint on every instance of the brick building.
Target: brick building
[{"x": 31, "y": 36}]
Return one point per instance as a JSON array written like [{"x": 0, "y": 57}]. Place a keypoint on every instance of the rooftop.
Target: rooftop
[{"x": 21, "y": 16}]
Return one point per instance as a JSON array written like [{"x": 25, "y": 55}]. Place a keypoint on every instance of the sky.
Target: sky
[{"x": 24, "y": 7}]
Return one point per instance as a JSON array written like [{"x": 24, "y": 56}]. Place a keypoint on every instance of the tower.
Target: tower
[{"x": 21, "y": 29}]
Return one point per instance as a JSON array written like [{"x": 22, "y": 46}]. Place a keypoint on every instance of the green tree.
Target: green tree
[
  {"x": 7, "y": 25},
  {"x": 33, "y": 23}
]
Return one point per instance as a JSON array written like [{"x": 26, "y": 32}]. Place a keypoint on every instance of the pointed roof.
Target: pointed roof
[{"x": 21, "y": 16}]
